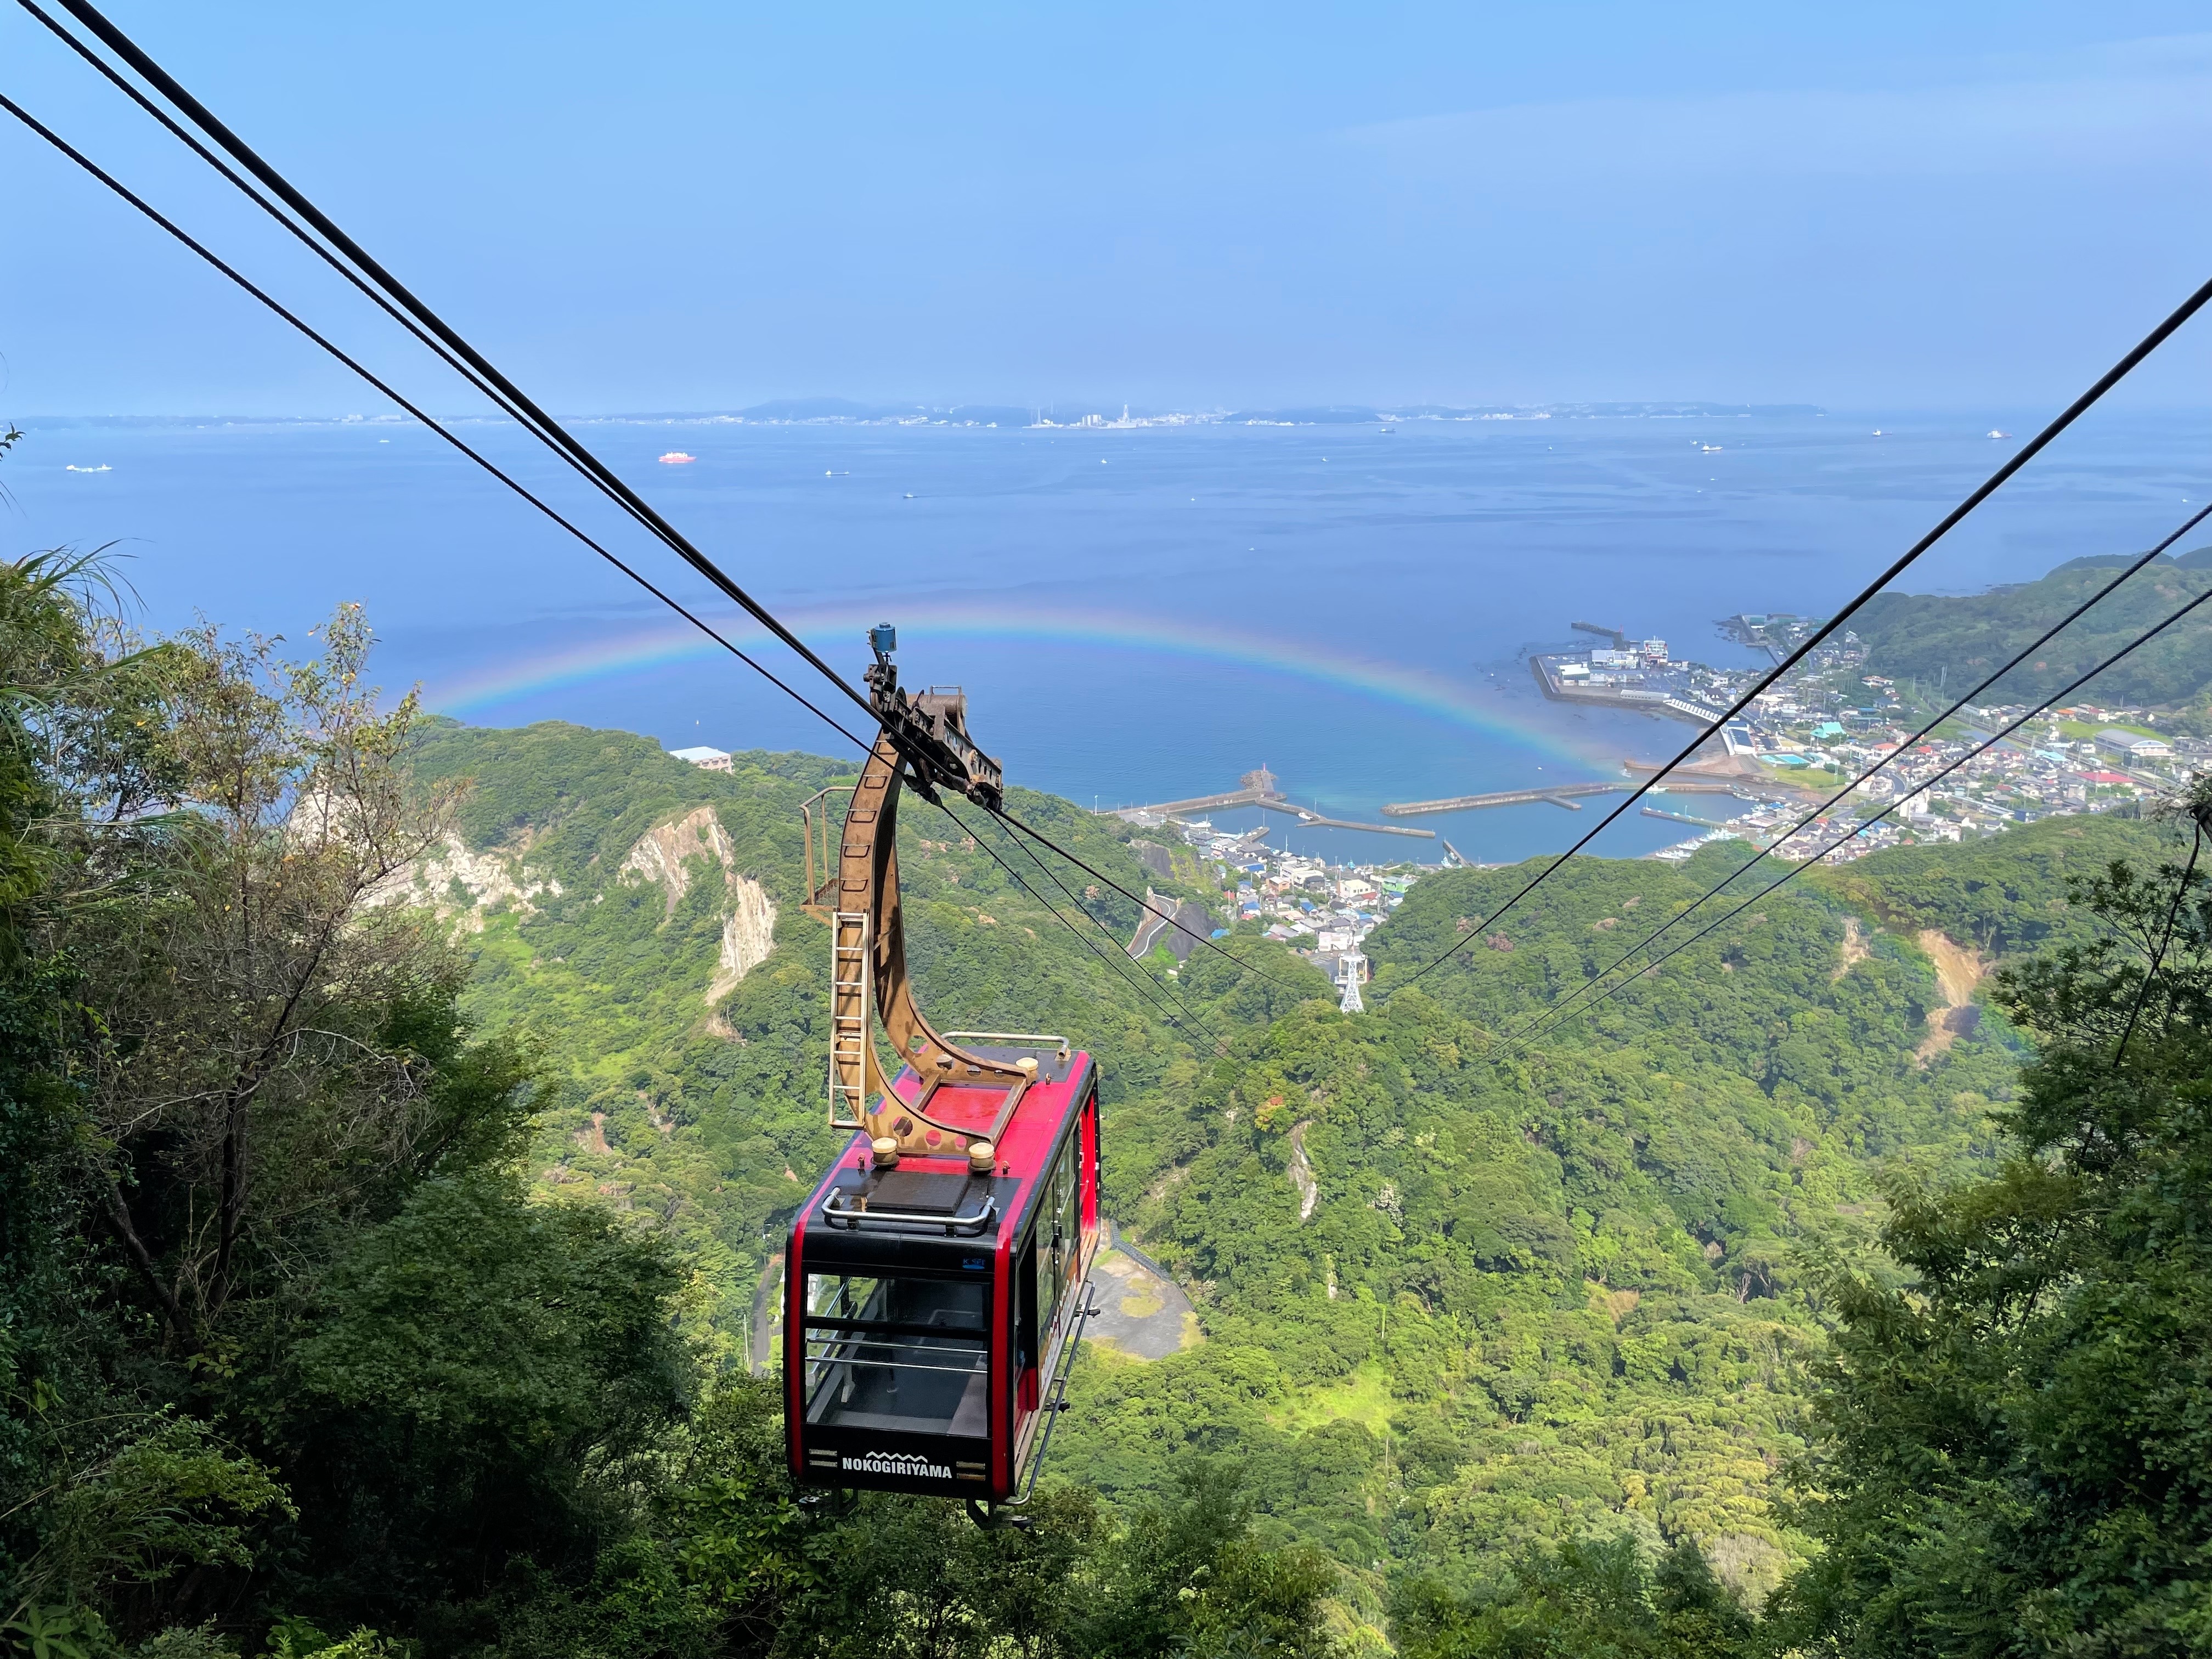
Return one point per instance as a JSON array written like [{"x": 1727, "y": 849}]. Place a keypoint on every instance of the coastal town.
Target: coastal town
[
  {"x": 1832, "y": 725},
  {"x": 1834, "y": 763}
]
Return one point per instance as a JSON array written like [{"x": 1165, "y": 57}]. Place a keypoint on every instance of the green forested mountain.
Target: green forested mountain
[
  {"x": 1531, "y": 1294},
  {"x": 400, "y": 1117},
  {"x": 1919, "y": 635}
]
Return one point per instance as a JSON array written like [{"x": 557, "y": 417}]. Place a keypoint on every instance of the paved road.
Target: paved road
[
  {"x": 768, "y": 1314},
  {"x": 1142, "y": 1312}
]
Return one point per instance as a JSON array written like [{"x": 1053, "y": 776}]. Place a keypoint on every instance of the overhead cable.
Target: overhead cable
[
  {"x": 2165, "y": 938},
  {"x": 2111, "y": 378},
  {"x": 1144, "y": 981},
  {"x": 534, "y": 418},
  {"x": 1053, "y": 876},
  {"x": 2066, "y": 690},
  {"x": 2022, "y": 655},
  {"x": 372, "y": 278},
  {"x": 1039, "y": 836},
  {"x": 377, "y": 284},
  {"x": 158, "y": 218}
]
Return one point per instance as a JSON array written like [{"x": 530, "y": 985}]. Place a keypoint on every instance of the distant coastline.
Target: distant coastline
[{"x": 1080, "y": 417}]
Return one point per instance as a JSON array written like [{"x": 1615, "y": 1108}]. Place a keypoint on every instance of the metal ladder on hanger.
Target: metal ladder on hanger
[{"x": 851, "y": 1019}]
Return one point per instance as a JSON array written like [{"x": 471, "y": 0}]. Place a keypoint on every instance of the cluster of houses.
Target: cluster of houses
[
  {"x": 1629, "y": 664},
  {"x": 2072, "y": 760}
]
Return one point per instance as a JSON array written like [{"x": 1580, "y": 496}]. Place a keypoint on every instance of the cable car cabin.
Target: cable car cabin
[
  {"x": 931, "y": 1310},
  {"x": 936, "y": 1283}
]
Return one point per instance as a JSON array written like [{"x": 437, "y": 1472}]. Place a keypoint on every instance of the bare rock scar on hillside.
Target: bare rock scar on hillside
[
  {"x": 663, "y": 855},
  {"x": 1856, "y": 949},
  {"x": 488, "y": 878},
  {"x": 1958, "y": 971}
]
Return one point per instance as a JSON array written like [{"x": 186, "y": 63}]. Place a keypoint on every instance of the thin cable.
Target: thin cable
[
  {"x": 431, "y": 330},
  {"x": 596, "y": 471},
  {"x": 2166, "y": 939},
  {"x": 1039, "y": 836},
  {"x": 1084, "y": 938},
  {"x": 545, "y": 426},
  {"x": 244, "y": 188},
  {"x": 2111, "y": 378},
  {"x": 2026, "y": 650},
  {"x": 2066, "y": 690},
  {"x": 491, "y": 388},
  {"x": 155, "y": 216},
  {"x": 1053, "y": 876}
]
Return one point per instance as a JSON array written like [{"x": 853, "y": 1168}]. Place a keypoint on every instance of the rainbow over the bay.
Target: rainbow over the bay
[{"x": 1415, "y": 690}]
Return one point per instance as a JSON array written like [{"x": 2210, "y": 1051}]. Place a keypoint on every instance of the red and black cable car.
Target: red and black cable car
[
  {"x": 933, "y": 1304},
  {"x": 936, "y": 1282}
]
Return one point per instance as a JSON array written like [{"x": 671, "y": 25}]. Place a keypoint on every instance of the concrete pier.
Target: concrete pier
[
  {"x": 1260, "y": 790},
  {"x": 1559, "y": 794}
]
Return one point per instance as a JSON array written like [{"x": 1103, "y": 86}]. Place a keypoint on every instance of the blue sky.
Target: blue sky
[{"x": 663, "y": 206}]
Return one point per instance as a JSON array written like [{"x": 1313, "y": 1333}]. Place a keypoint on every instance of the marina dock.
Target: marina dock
[
  {"x": 1684, "y": 818},
  {"x": 1560, "y": 794},
  {"x": 1260, "y": 790}
]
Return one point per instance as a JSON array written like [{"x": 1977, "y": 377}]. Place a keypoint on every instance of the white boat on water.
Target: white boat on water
[
  {"x": 678, "y": 458},
  {"x": 102, "y": 467}
]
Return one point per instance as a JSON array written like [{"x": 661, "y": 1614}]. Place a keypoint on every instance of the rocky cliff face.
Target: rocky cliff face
[
  {"x": 485, "y": 880},
  {"x": 464, "y": 887},
  {"x": 664, "y": 855}
]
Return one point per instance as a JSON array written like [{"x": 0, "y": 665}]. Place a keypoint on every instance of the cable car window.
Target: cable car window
[
  {"x": 1058, "y": 1235},
  {"x": 897, "y": 1353}
]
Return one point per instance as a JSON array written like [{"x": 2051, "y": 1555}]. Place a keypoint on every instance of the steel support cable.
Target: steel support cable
[
  {"x": 2165, "y": 940},
  {"x": 2066, "y": 690},
  {"x": 2111, "y": 378},
  {"x": 542, "y": 424},
  {"x": 2026, "y": 650},
  {"x": 1039, "y": 836},
  {"x": 308, "y": 330},
  {"x": 579, "y": 456},
  {"x": 291, "y": 226},
  {"x": 458, "y": 356},
  {"x": 1053, "y": 876},
  {"x": 1087, "y": 942}
]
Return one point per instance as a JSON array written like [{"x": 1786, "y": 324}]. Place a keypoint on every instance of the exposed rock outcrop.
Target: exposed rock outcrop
[
  {"x": 663, "y": 855},
  {"x": 748, "y": 935},
  {"x": 1179, "y": 924},
  {"x": 1959, "y": 969},
  {"x": 1302, "y": 1173},
  {"x": 662, "y": 852},
  {"x": 488, "y": 878}
]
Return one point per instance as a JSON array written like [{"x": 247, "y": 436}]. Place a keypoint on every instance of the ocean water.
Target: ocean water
[{"x": 1137, "y": 614}]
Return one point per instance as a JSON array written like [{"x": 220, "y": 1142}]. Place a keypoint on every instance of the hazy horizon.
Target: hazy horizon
[{"x": 881, "y": 409}]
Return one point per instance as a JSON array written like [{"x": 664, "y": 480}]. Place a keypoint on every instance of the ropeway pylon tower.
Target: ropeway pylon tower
[{"x": 1351, "y": 971}]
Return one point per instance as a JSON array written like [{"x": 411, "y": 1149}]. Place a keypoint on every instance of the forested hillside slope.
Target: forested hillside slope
[
  {"x": 1454, "y": 1295},
  {"x": 1919, "y": 635},
  {"x": 399, "y": 1118}
]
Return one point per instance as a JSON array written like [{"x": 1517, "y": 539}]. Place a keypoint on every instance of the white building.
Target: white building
[
  {"x": 2133, "y": 744},
  {"x": 708, "y": 760}
]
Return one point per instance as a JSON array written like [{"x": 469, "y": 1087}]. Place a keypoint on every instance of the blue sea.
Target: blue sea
[{"x": 1137, "y": 614}]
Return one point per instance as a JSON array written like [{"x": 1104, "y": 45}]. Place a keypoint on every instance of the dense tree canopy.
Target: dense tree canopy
[
  {"x": 294, "y": 1356},
  {"x": 390, "y": 1157}
]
